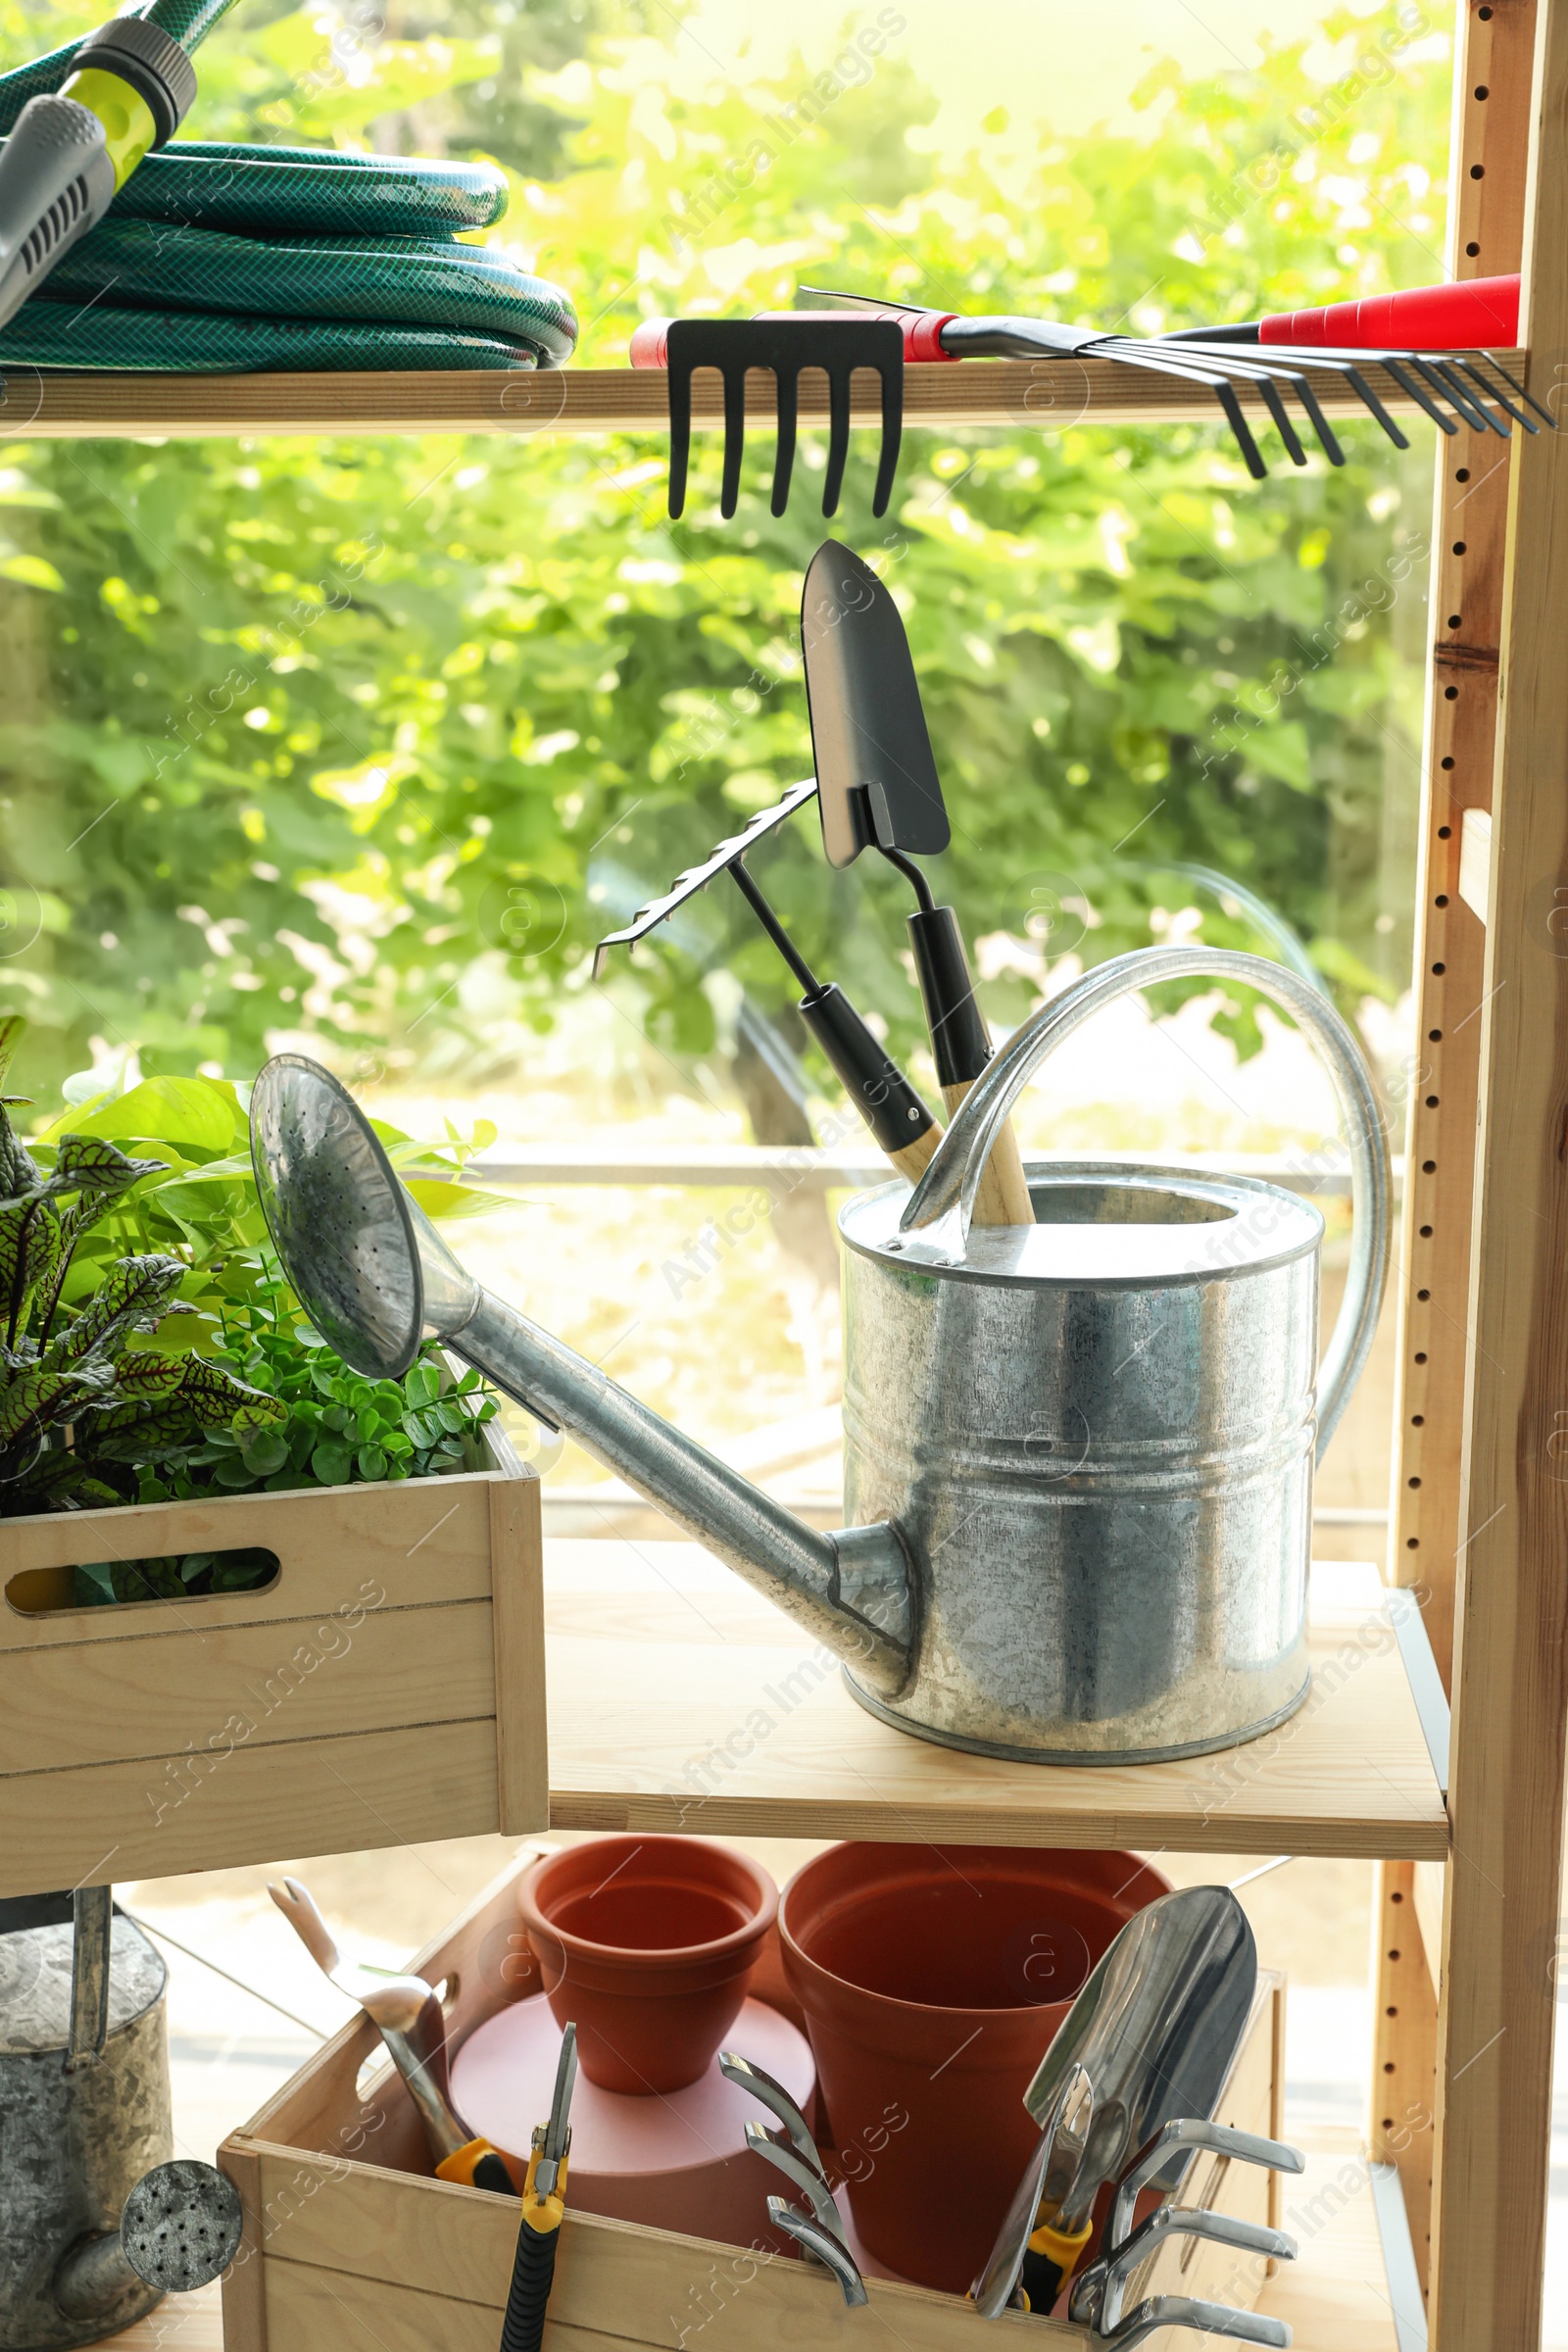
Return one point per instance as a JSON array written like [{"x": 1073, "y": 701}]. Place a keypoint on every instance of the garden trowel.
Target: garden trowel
[
  {"x": 877, "y": 788},
  {"x": 1156, "y": 2032}
]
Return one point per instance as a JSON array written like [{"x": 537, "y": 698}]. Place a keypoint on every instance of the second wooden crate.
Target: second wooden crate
[{"x": 351, "y": 2246}]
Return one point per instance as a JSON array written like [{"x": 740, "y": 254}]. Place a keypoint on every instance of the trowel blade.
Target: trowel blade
[
  {"x": 1158, "y": 2026},
  {"x": 1048, "y": 2178},
  {"x": 875, "y": 772}
]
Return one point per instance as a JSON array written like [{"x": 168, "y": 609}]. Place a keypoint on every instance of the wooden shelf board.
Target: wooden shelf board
[
  {"x": 1048, "y": 395},
  {"x": 1335, "y": 2294},
  {"x": 681, "y": 1700},
  {"x": 181, "y": 2323}
]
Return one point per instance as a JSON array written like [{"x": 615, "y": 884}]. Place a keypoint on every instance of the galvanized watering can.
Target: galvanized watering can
[
  {"x": 1078, "y": 1455},
  {"x": 96, "y": 2224}
]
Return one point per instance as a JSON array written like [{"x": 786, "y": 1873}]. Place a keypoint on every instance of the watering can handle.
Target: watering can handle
[{"x": 950, "y": 1183}]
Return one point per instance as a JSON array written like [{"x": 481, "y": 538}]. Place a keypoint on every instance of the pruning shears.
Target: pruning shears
[{"x": 543, "y": 2207}]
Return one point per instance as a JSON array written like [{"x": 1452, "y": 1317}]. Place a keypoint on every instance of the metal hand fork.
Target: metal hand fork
[
  {"x": 1098, "y": 2293},
  {"x": 1191, "y": 2132},
  {"x": 823, "y": 2247},
  {"x": 403, "y": 2011},
  {"x": 1205, "y": 2318},
  {"x": 820, "y": 2233},
  {"x": 1111, "y": 2272}
]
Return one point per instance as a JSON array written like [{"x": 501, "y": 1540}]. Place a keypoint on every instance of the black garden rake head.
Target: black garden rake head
[
  {"x": 889, "y": 1104},
  {"x": 782, "y": 348},
  {"x": 722, "y": 860}
]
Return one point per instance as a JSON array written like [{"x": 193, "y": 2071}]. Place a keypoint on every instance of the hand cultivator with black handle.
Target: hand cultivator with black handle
[
  {"x": 781, "y": 344},
  {"x": 889, "y": 1104}
]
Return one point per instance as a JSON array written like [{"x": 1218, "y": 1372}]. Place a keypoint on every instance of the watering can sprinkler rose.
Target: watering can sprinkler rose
[{"x": 1078, "y": 1455}]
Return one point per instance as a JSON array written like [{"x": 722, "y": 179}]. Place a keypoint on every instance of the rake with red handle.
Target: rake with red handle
[{"x": 1436, "y": 343}]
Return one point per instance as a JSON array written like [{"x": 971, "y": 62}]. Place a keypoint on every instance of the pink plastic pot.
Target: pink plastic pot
[
  {"x": 934, "y": 1979},
  {"x": 679, "y": 2162},
  {"x": 647, "y": 1943}
]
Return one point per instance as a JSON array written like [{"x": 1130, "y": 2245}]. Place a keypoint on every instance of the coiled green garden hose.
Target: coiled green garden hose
[{"x": 223, "y": 257}]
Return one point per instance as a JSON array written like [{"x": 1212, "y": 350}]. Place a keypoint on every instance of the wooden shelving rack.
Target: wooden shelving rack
[
  {"x": 644, "y": 1690},
  {"x": 1047, "y": 395}
]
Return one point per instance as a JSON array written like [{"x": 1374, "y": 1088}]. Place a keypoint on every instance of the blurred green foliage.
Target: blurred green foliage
[{"x": 368, "y": 739}]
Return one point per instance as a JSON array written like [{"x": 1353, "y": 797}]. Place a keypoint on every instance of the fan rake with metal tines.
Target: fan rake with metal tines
[{"x": 1451, "y": 359}]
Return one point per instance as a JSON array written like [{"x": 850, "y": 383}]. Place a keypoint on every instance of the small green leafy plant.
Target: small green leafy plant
[
  {"x": 338, "y": 1427},
  {"x": 334, "y": 1428},
  {"x": 152, "y": 1349},
  {"x": 105, "y": 1375},
  {"x": 198, "y": 1201}
]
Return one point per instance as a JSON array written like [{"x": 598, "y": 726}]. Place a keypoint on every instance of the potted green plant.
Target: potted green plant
[
  {"x": 97, "y": 1363},
  {"x": 304, "y": 1566},
  {"x": 156, "y": 1266}
]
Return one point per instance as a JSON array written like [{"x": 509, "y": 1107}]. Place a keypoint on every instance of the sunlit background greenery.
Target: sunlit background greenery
[
  {"x": 368, "y": 739},
  {"x": 360, "y": 744}
]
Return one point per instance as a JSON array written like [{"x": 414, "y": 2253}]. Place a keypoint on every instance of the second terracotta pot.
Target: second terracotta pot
[
  {"x": 933, "y": 1982},
  {"x": 647, "y": 1945}
]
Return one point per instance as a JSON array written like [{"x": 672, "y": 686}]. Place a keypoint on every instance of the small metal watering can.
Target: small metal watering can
[
  {"x": 91, "y": 2238},
  {"x": 1078, "y": 1455}
]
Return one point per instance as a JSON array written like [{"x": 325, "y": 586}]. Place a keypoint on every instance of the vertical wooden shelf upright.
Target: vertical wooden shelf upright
[{"x": 1479, "y": 1516}]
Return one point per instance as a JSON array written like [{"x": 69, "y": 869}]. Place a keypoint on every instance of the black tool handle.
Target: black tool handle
[
  {"x": 959, "y": 1037},
  {"x": 532, "y": 2272},
  {"x": 491, "y": 2172},
  {"x": 876, "y": 1086},
  {"x": 1041, "y": 2279}
]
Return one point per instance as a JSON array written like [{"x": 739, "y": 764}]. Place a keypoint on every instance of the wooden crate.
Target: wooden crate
[
  {"x": 386, "y": 1686},
  {"x": 350, "y": 2246}
]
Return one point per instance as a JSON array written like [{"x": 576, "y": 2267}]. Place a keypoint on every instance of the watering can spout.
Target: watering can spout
[{"x": 377, "y": 1278}]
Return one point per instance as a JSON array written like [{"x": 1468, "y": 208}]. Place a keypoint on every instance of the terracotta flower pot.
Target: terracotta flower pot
[
  {"x": 934, "y": 1979},
  {"x": 648, "y": 1944}
]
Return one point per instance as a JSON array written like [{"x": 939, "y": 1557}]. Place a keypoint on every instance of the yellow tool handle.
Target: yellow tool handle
[
  {"x": 1004, "y": 1194},
  {"x": 477, "y": 2165},
  {"x": 1050, "y": 2262}
]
